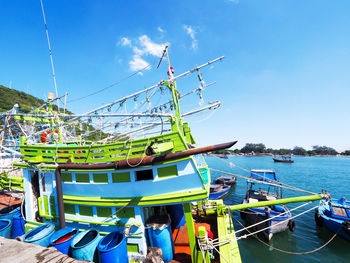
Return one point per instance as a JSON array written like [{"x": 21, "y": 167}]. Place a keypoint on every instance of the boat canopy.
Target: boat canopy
[{"x": 263, "y": 175}]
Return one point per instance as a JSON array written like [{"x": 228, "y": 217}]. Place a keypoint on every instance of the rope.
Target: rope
[
  {"x": 278, "y": 184},
  {"x": 261, "y": 230},
  {"x": 273, "y": 217},
  {"x": 290, "y": 252},
  {"x": 112, "y": 85}
]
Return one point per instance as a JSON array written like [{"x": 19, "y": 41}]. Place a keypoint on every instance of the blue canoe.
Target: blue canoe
[{"x": 335, "y": 216}]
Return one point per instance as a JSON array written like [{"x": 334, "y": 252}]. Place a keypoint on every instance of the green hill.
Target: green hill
[{"x": 10, "y": 97}]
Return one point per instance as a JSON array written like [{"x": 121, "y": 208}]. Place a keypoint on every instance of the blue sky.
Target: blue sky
[{"x": 284, "y": 81}]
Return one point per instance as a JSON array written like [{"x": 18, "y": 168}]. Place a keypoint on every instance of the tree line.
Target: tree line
[{"x": 260, "y": 148}]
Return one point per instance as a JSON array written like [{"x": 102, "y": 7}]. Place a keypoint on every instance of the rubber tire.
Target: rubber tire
[
  {"x": 243, "y": 214},
  {"x": 318, "y": 218},
  {"x": 346, "y": 226},
  {"x": 291, "y": 225}
]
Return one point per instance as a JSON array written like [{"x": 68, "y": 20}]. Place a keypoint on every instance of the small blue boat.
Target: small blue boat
[
  {"x": 218, "y": 191},
  {"x": 260, "y": 189},
  {"x": 335, "y": 216}
]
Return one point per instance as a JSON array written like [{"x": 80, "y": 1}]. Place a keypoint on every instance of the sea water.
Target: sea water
[{"x": 309, "y": 173}]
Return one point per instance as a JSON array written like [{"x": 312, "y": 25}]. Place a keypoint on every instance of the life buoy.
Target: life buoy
[
  {"x": 43, "y": 136},
  {"x": 291, "y": 225}
]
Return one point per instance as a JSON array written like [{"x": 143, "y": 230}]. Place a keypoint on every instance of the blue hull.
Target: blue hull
[
  {"x": 327, "y": 215},
  {"x": 219, "y": 194},
  {"x": 276, "y": 224}
]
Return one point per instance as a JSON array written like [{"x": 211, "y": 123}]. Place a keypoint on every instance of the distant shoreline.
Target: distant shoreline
[{"x": 271, "y": 155}]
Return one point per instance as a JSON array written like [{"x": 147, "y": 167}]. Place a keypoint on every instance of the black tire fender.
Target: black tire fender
[
  {"x": 291, "y": 225},
  {"x": 346, "y": 226},
  {"x": 318, "y": 218}
]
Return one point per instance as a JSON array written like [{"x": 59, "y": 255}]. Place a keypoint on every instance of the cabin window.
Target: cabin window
[
  {"x": 121, "y": 177},
  {"x": 82, "y": 178},
  {"x": 85, "y": 211},
  {"x": 144, "y": 175},
  {"x": 133, "y": 248},
  {"x": 100, "y": 178},
  {"x": 126, "y": 212},
  {"x": 103, "y": 211},
  {"x": 69, "y": 209},
  {"x": 66, "y": 177},
  {"x": 167, "y": 171}
]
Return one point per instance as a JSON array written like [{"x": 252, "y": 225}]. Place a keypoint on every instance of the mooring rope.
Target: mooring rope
[
  {"x": 275, "y": 183},
  {"x": 261, "y": 222},
  {"x": 261, "y": 230},
  {"x": 291, "y": 252}
]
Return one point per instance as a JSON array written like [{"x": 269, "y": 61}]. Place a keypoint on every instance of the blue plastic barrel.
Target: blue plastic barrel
[
  {"x": 5, "y": 228},
  {"x": 40, "y": 235},
  {"x": 177, "y": 215},
  {"x": 112, "y": 248},
  {"x": 62, "y": 239},
  {"x": 83, "y": 246},
  {"x": 17, "y": 225},
  {"x": 159, "y": 233},
  {"x": 9, "y": 211}
]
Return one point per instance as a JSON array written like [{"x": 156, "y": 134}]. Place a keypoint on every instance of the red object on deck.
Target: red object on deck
[
  {"x": 182, "y": 245},
  {"x": 62, "y": 239}
]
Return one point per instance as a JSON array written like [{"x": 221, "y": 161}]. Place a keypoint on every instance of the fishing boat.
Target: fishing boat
[
  {"x": 335, "y": 216},
  {"x": 126, "y": 180},
  {"x": 218, "y": 191},
  {"x": 263, "y": 186},
  {"x": 227, "y": 180},
  {"x": 283, "y": 159},
  {"x": 221, "y": 186}
]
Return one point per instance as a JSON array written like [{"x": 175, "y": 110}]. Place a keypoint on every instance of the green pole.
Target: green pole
[
  {"x": 277, "y": 202},
  {"x": 306, "y": 198}
]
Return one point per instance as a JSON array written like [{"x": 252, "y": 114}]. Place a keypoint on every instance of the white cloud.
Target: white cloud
[
  {"x": 233, "y": 1},
  {"x": 161, "y": 30},
  {"x": 192, "y": 33},
  {"x": 137, "y": 63},
  {"x": 125, "y": 41},
  {"x": 151, "y": 48},
  {"x": 142, "y": 48}
]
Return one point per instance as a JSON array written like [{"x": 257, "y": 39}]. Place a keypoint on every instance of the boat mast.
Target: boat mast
[{"x": 171, "y": 84}]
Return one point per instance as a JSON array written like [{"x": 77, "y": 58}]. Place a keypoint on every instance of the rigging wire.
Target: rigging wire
[
  {"x": 51, "y": 57},
  {"x": 113, "y": 84},
  {"x": 276, "y": 183}
]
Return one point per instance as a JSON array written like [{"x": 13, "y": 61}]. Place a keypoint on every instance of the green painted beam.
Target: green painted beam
[
  {"x": 277, "y": 202},
  {"x": 190, "y": 231}
]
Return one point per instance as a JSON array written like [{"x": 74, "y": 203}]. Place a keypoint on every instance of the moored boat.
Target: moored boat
[
  {"x": 335, "y": 216},
  {"x": 283, "y": 159},
  {"x": 228, "y": 180},
  {"x": 218, "y": 191},
  {"x": 270, "y": 220},
  {"x": 119, "y": 182}
]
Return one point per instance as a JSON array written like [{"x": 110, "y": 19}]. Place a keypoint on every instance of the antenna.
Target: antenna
[
  {"x": 164, "y": 51},
  {"x": 51, "y": 58}
]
